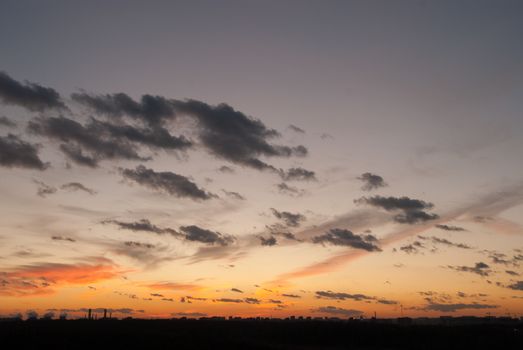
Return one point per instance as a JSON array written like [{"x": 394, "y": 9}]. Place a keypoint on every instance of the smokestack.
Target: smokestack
[
  {"x": 105, "y": 313},
  {"x": 89, "y": 314}
]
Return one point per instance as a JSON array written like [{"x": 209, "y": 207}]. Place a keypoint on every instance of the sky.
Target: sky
[{"x": 261, "y": 158}]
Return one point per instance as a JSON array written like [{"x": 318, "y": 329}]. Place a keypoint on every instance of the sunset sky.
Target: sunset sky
[{"x": 261, "y": 158}]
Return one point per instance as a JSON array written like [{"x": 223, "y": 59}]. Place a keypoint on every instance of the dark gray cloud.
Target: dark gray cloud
[
  {"x": 14, "y": 152},
  {"x": 236, "y": 290},
  {"x": 33, "y": 97},
  {"x": 292, "y": 191},
  {"x": 415, "y": 216},
  {"x": 480, "y": 268},
  {"x": 63, "y": 238},
  {"x": 298, "y": 174},
  {"x": 413, "y": 209},
  {"x": 512, "y": 273},
  {"x": 275, "y": 301},
  {"x": 289, "y": 219},
  {"x": 268, "y": 241},
  {"x": 295, "y": 296},
  {"x": 434, "y": 306},
  {"x": 76, "y": 186},
  {"x": 356, "y": 297},
  {"x": 281, "y": 230},
  {"x": 342, "y": 237},
  {"x": 143, "y": 225},
  {"x": 226, "y": 169},
  {"x": 252, "y": 300},
  {"x": 4, "y": 121},
  {"x": 338, "y": 311},
  {"x": 516, "y": 286},
  {"x": 371, "y": 181},
  {"x": 198, "y": 234},
  {"x": 296, "y": 129},
  {"x": 412, "y": 248},
  {"x": 152, "y": 110},
  {"x": 78, "y": 138},
  {"x": 446, "y": 242},
  {"x": 342, "y": 296},
  {"x": 450, "y": 228},
  {"x": 139, "y": 245},
  {"x": 441, "y": 241},
  {"x": 166, "y": 181},
  {"x": 234, "y": 136},
  {"x": 189, "y": 314},
  {"x": 155, "y": 137},
  {"x": 44, "y": 189},
  {"x": 234, "y": 195},
  {"x": 97, "y": 140},
  {"x": 229, "y": 300}
]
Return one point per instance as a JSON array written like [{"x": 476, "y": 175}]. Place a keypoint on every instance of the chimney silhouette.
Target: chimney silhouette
[
  {"x": 89, "y": 314},
  {"x": 105, "y": 313}
]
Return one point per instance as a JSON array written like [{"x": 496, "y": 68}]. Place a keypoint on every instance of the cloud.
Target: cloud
[
  {"x": 434, "y": 306},
  {"x": 77, "y": 138},
  {"x": 43, "y": 278},
  {"x": 295, "y": 296},
  {"x": 228, "y": 300},
  {"x": 166, "y": 181},
  {"x": 413, "y": 209},
  {"x": 236, "y": 290},
  {"x": 189, "y": 314},
  {"x": 338, "y": 311},
  {"x": 412, "y": 248},
  {"x": 516, "y": 286},
  {"x": 446, "y": 242},
  {"x": 342, "y": 296},
  {"x": 450, "y": 228},
  {"x": 76, "y": 186},
  {"x": 289, "y": 219},
  {"x": 296, "y": 129},
  {"x": 4, "y": 121},
  {"x": 14, "y": 152},
  {"x": 252, "y": 300},
  {"x": 292, "y": 191},
  {"x": 341, "y": 237},
  {"x": 142, "y": 225},
  {"x": 198, "y": 234},
  {"x": 139, "y": 245},
  {"x": 268, "y": 241},
  {"x": 298, "y": 174},
  {"x": 480, "y": 268},
  {"x": 234, "y": 136},
  {"x": 512, "y": 273},
  {"x": 152, "y": 110},
  {"x": 234, "y": 195},
  {"x": 371, "y": 181},
  {"x": 62, "y": 238},
  {"x": 487, "y": 205},
  {"x": 31, "y": 96},
  {"x": 172, "y": 286},
  {"x": 44, "y": 189},
  {"x": 226, "y": 169}
]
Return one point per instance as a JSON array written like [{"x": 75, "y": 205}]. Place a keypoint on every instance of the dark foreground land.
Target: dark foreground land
[{"x": 254, "y": 334}]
